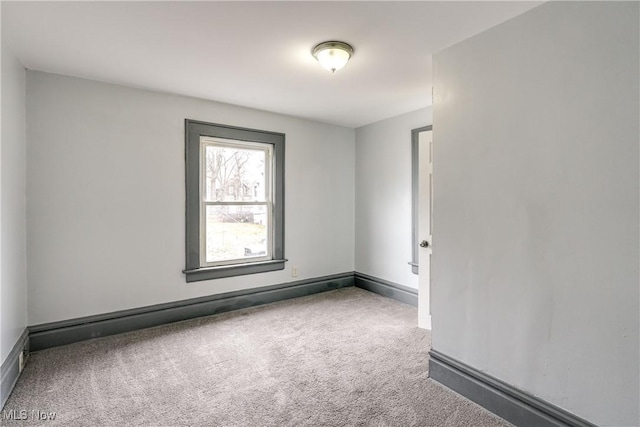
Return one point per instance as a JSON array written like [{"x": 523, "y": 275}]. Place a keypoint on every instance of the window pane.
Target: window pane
[
  {"x": 236, "y": 232},
  {"x": 234, "y": 174}
]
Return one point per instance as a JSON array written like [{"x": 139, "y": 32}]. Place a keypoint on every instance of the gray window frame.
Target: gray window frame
[{"x": 194, "y": 130}]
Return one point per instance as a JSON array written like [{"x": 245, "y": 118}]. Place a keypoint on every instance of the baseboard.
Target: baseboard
[
  {"x": 385, "y": 288},
  {"x": 80, "y": 329},
  {"x": 516, "y": 406},
  {"x": 10, "y": 368},
  {"x": 74, "y": 330}
]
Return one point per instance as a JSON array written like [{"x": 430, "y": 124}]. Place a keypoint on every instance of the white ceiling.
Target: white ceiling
[{"x": 254, "y": 54}]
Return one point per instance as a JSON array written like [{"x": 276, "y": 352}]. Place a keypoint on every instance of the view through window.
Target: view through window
[{"x": 236, "y": 180}]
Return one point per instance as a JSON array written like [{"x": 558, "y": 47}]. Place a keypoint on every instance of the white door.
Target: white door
[{"x": 425, "y": 210}]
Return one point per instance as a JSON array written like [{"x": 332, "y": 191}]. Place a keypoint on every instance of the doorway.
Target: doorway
[{"x": 422, "y": 197}]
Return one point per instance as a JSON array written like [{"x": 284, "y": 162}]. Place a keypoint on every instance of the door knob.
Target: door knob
[{"x": 424, "y": 244}]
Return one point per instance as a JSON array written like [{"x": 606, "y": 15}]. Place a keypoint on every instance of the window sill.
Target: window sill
[{"x": 209, "y": 273}]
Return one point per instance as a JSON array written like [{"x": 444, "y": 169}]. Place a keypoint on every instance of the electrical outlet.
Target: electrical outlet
[
  {"x": 21, "y": 361},
  {"x": 294, "y": 271}
]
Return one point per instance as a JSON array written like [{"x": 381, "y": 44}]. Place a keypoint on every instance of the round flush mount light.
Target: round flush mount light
[{"x": 333, "y": 55}]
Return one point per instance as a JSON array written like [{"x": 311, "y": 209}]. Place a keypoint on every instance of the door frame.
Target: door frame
[
  {"x": 415, "y": 180},
  {"x": 417, "y": 235}
]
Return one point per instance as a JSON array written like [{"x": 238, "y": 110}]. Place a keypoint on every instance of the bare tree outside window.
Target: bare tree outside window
[{"x": 233, "y": 174}]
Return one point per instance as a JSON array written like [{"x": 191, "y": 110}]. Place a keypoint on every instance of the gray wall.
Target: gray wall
[
  {"x": 106, "y": 199},
  {"x": 13, "y": 288},
  {"x": 535, "y": 244},
  {"x": 383, "y": 197}
]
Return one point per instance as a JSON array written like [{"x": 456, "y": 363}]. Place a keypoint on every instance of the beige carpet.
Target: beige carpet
[{"x": 341, "y": 358}]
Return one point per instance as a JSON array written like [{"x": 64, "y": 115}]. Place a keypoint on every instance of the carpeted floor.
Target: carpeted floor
[{"x": 341, "y": 358}]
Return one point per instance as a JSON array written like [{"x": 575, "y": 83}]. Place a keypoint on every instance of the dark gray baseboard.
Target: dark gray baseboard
[
  {"x": 504, "y": 400},
  {"x": 10, "y": 368},
  {"x": 80, "y": 329},
  {"x": 388, "y": 289}
]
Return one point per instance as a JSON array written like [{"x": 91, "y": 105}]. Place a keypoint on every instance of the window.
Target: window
[{"x": 235, "y": 201}]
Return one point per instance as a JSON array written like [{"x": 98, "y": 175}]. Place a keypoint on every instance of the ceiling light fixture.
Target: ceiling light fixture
[{"x": 332, "y": 55}]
